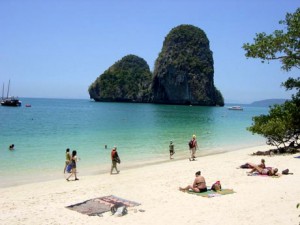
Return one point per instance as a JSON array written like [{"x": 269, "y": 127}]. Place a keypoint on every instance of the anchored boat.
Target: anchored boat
[
  {"x": 9, "y": 101},
  {"x": 235, "y": 108}
]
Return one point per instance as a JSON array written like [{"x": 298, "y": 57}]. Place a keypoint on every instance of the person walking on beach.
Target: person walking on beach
[
  {"x": 68, "y": 159},
  {"x": 193, "y": 147},
  {"x": 199, "y": 184},
  {"x": 114, "y": 160},
  {"x": 73, "y": 164},
  {"x": 171, "y": 149}
]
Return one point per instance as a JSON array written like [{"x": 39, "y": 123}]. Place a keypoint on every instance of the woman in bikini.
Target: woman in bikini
[
  {"x": 264, "y": 171},
  {"x": 199, "y": 184}
]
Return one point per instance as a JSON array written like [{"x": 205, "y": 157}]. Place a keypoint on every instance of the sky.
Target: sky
[{"x": 57, "y": 48}]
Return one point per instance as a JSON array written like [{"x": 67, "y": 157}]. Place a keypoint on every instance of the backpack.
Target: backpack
[
  {"x": 286, "y": 172},
  {"x": 191, "y": 144},
  {"x": 216, "y": 186}
]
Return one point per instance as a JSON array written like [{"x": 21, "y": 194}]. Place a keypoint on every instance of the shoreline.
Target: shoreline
[
  {"x": 37, "y": 177},
  {"x": 156, "y": 188}
]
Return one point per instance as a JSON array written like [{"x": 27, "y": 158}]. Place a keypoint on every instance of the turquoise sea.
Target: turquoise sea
[{"x": 142, "y": 132}]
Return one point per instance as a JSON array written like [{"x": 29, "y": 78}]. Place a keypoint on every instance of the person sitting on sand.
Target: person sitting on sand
[
  {"x": 199, "y": 184},
  {"x": 266, "y": 171}
]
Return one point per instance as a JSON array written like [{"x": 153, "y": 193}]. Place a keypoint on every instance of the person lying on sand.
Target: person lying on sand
[
  {"x": 251, "y": 165},
  {"x": 264, "y": 171},
  {"x": 199, "y": 184}
]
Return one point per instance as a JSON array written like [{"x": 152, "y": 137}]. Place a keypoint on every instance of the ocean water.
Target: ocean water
[{"x": 142, "y": 132}]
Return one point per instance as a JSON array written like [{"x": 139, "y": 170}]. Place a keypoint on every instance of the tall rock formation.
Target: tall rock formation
[
  {"x": 128, "y": 80},
  {"x": 184, "y": 69}
]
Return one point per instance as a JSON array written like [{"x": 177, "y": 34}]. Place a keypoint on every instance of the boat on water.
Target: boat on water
[
  {"x": 9, "y": 101},
  {"x": 235, "y": 108}
]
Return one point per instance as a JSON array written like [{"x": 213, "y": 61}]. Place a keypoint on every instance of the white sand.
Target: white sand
[{"x": 258, "y": 200}]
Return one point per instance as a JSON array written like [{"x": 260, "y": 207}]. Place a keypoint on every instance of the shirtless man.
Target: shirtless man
[
  {"x": 199, "y": 184},
  {"x": 261, "y": 165}
]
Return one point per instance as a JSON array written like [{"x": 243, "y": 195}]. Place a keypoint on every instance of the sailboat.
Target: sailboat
[{"x": 9, "y": 101}]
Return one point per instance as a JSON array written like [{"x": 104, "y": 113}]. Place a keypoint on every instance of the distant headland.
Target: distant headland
[
  {"x": 268, "y": 102},
  {"x": 183, "y": 74}
]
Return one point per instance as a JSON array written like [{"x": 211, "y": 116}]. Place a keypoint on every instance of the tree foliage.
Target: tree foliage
[
  {"x": 282, "y": 45},
  {"x": 282, "y": 125},
  {"x": 279, "y": 127},
  {"x": 291, "y": 84}
]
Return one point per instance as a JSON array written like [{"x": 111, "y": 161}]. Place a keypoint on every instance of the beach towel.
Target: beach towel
[
  {"x": 97, "y": 206},
  {"x": 210, "y": 193},
  {"x": 261, "y": 175}
]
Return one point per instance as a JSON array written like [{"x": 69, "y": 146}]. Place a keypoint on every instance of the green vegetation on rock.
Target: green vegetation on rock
[{"x": 128, "y": 80}]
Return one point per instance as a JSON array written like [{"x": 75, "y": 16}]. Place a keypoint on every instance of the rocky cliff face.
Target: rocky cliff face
[
  {"x": 184, "y": 70},
  {"x": 183, "y": 74},
  {"x": 128, "y": 80}
]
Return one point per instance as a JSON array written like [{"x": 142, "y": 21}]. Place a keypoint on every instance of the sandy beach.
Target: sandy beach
[{"x": 257, "y": 200}]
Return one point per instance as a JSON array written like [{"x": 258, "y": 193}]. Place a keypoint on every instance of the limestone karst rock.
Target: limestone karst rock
[
  {"x": 128, "y": 80},
  {"x": 183, "y": 74},
  {"x": 184, "y": 70}
]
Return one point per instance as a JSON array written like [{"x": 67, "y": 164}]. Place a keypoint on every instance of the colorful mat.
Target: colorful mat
[
  {"x": 210, "y": 193},
  {"x": 97, "y": 206},
  {"x": 261, "y": 175}
]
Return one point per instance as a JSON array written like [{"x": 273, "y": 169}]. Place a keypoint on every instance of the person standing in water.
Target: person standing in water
[{"x": 171, "y": 149}]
